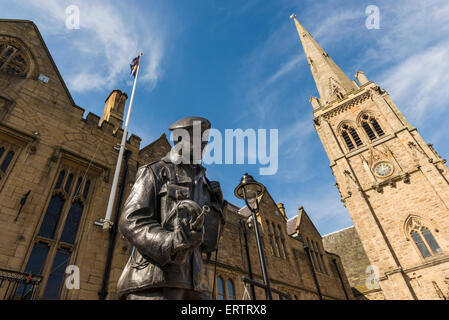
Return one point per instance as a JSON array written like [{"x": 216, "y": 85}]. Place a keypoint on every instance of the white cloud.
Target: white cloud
[
  {"x": 419, "y": 82},
  {"x": 110, "y": 35},
  {"x": 336, "y": 23},
  {"x": 286, "y": 68}
]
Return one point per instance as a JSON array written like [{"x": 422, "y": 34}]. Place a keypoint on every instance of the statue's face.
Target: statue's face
[{"x": 195, "y": 146}]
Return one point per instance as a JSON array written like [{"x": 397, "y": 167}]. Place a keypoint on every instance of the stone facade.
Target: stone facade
[
  {"x": 393, "y": 183},
  {"x": 56, "y": 169},
  {"x": 292, "y": 270},
  {"x": 49, "y": 134},
  {"x": 346, "y": 243}
]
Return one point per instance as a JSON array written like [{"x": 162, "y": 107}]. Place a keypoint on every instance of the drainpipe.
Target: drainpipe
[
  {"x": 113, "y": 232},
  {"x": 248, "y": 257},
  {"x": 341, "y": 279},
  {"x": 313, "y": 272}
]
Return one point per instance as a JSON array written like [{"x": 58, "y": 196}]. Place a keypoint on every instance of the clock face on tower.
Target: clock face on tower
[{"x": 383, "y": 169}]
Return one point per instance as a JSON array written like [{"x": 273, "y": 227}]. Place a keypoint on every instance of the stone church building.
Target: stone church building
[
  {"x": 393, "y": 183},
  {"x": 56, "y": 169}
]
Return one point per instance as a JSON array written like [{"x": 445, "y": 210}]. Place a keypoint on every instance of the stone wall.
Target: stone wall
[{"x": 347, "y": 245}]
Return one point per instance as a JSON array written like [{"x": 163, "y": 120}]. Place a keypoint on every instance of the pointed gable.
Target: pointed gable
[
  {"x": 304, "y": 225},
  {"x": 155, "y": 150},
  {"x": 25, "y": 34},
  {"x": 291, "y": 226},
  {"x": 269, "y": 207}
]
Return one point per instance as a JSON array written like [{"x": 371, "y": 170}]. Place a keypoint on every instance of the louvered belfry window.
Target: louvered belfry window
[
  {"x": 350, "y": 137},
  {"x": 371, "y": 127}
]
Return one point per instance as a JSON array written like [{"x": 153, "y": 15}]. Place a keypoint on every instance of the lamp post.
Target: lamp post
[{"x": 250, "y": 190}]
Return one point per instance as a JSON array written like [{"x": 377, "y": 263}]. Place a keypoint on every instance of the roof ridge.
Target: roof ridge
[
  {"x": 16, "y": 20},
  {"x": 338, "y": 231}
]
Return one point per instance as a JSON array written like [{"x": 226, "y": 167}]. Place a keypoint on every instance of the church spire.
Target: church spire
[{"x": 331, "y": 82}]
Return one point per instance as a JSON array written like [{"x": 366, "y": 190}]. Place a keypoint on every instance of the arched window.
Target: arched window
[
  {"x": 8, "y": 152},
  {"x": 371, "y": 127},
  {"x": 6, "y": 161},
  {"x": 13, "y": 57},
  {"x": 351, "y": 137},
  {"x": 320, "y": 257},
  {"x": 55, "y": 241},
  {"x": 52, "y": 216},
  {"x": 432, "y": 243},
  {"x": 220, "y": 288},
  {"x": 271, "y": 237},
  {"x": 278, "y": 241},
  {"x": 423, "y": 238},
  {"x": 420, "y": 244},
  {"x": 72, "y": 222},
  {"x": 283, "y": 242},
  {"x": 231, "y": 292}
]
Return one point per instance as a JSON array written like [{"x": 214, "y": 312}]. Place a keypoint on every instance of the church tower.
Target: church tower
[{"x": 394, "y": 184}]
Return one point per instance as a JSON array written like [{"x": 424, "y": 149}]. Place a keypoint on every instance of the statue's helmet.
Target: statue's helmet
[{"x": 188, "y": 123}]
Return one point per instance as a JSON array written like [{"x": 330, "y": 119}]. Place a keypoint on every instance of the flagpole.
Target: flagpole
[{"x": 107, "y": 223}]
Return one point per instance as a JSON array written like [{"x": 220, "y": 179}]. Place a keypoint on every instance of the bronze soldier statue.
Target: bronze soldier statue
[{"x": 172, "y": 215}]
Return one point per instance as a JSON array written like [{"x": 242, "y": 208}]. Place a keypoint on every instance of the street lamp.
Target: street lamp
[{"x": 250, "y": 190}]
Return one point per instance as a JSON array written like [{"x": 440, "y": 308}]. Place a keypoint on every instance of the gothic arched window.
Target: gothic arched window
[
  {"x": 271, "y": 238},
  {"x": 371, "y": 127},
  {"x": 55, "y": 241},
  {"x": 13, "y": 57},
  {"x": 8, "y": 153},
  {"x": 420, "y": 244},
  {"x": 283, "y": 242},
  {"x": 220, "y": 288},
  {"x": 231, "y": 292},
  {"x": 422, "y": 237},
  {"x": 278, "y": 241},
  {"x": 351, "y": 137},
  {"x": 225, "y": 289}
]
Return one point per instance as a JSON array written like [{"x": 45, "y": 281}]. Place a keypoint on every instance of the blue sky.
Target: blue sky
[{"x": 240, "y": 64}]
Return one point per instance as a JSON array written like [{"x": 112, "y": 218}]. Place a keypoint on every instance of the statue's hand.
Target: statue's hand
[
  {"x": 185, "y": 237},
  {"x": 195, "y": 237}
]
